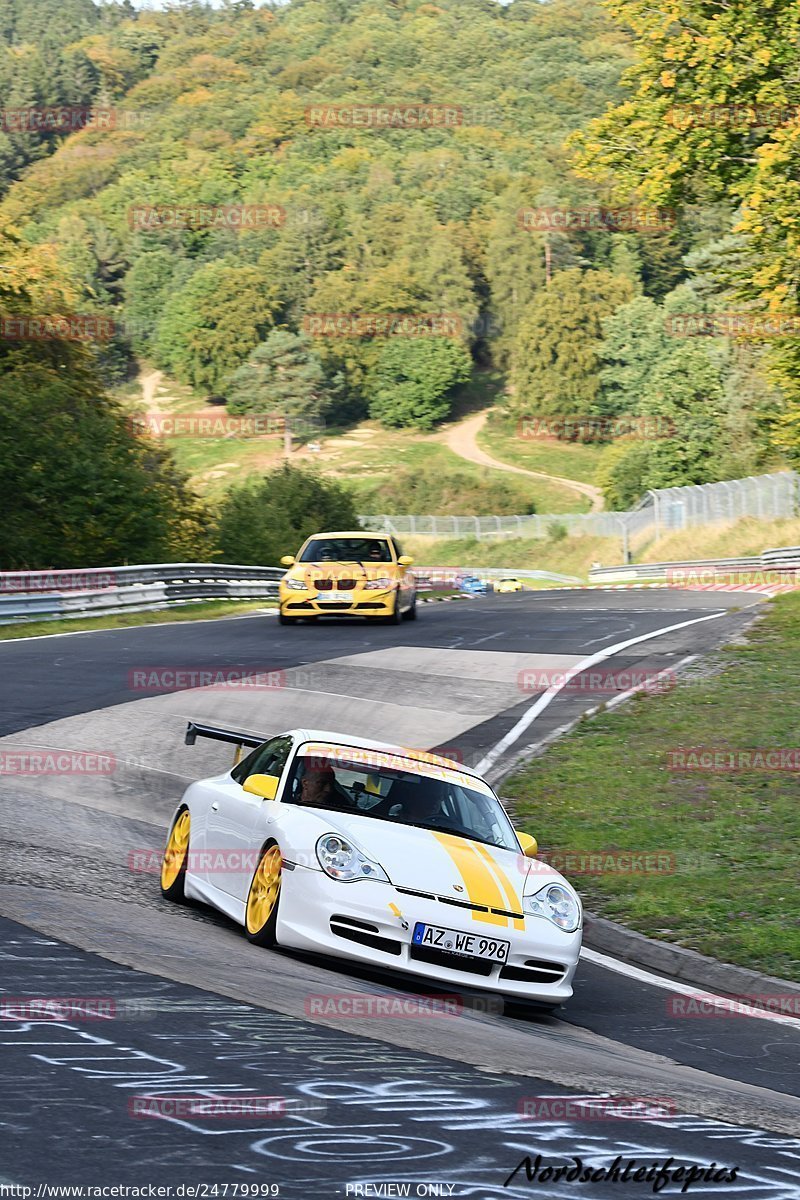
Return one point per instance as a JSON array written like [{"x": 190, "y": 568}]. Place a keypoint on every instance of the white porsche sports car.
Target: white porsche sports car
[{"x": 378, "y": 854}]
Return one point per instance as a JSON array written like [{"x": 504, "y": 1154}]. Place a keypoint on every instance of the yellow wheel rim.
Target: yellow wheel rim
[
  {"x": 263, "y": 894},
  {"x": 176, "y": 851}
]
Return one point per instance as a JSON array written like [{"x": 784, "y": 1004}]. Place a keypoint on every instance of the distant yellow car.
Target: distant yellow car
[
  {"x": 509, "y": 584},
  {"x": 348, "y": 574}
]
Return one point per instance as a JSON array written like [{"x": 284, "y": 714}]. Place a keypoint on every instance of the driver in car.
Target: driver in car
[{"x": 319, "y": 789}]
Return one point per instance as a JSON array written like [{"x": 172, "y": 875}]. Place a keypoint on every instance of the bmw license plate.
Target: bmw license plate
[
  {"x": 471, "y": 945},
  {"x": 338, "y": 595}
]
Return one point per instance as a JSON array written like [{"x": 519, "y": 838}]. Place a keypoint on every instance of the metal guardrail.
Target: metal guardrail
[
  {"x": 51, "y": 595},
  {"x": 100, "y": 578},
  {"x": 54, "y": 595},
  {"x": 785, "y": 558}
]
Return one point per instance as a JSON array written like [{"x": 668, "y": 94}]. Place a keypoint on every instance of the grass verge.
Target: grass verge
[
  {"x": 207, "y": 610},
  {"x": 730, "y": 540},
  {"x": 500, "y": 437},
  {"x": 607, "y": 786}
]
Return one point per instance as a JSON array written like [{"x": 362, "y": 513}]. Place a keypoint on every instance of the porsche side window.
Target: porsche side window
[{"x": 269, "y": 759}]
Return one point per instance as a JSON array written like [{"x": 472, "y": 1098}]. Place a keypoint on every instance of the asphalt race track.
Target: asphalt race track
[{"x": 192, "y": 1007}]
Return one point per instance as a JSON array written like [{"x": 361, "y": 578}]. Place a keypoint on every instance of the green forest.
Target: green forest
[{"x": 549, "y": 188}]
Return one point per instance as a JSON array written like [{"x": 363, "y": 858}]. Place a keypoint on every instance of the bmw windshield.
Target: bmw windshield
[{"x": 346, "y": 550}]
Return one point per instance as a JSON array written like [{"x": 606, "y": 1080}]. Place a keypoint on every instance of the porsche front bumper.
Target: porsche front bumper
[{"x": 360, "y": 921}]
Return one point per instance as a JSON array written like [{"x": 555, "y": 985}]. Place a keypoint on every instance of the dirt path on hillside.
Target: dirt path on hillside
[
  {"x": 150, "y": 381},
  {"x": 462, "y": 439}
]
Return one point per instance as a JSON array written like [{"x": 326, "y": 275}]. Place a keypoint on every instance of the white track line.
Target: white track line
[
  {"x": 593, "y": 956},
  {"x": 667, "y": 673},
  {"x": 539, "y": 705},
  {"x": 736, "y": 1007}
]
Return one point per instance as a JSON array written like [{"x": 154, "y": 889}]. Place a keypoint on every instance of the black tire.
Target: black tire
[
  {"x": 282, "y": 620},
  {"x": 264, "y": 934},
  {"x": 396, "y": 616},
  {"x": 411, "y": 615},
  {"x": 172, "y": 887}
]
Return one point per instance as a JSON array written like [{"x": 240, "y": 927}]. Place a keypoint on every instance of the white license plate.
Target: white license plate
[
  {"x": 343, "y": 596},
  {"x": 472, "y": 945}
]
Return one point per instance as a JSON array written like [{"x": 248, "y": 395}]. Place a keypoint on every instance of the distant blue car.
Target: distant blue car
[{"x": 473, "y": 585}]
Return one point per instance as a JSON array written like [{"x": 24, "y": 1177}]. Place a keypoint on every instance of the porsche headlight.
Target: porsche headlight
[
  {"x": 383, "y": 584},
  {"x": 343, "y": 861},
  {"x": 295, "y": 585},
  {"x": 557, "y": 904}
]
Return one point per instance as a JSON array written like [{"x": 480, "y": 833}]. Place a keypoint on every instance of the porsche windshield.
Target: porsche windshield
[
  {"x": 442, "y": 804},
  {"x": 350, "y": 550}
]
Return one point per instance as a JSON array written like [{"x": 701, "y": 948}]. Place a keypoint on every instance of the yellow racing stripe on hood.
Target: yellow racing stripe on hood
[
  {"x": 481, "y": 885},
  {"x": 513, "y": 901}
]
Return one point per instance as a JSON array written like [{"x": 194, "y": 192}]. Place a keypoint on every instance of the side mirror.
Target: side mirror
[
  {"x": 265, "y": 786},
  {"x": 530, "y": 847},
  {"x": 405, "y": 560},
  {"x": 287, "y": 560}
]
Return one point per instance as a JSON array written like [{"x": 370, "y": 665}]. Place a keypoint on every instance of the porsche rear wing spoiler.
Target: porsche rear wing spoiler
[{"x": 195, "y": 729}]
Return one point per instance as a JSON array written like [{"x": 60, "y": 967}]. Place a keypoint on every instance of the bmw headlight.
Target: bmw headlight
[
  {"x": 382, "y": 584},
  {"x": 343, "y": 861},
  {"x": 295, "y": 585},
  {"x": 557, "y": 904}
]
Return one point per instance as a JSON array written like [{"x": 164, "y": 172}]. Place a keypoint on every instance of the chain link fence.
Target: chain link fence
[{"x": 664, "y": 509}]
